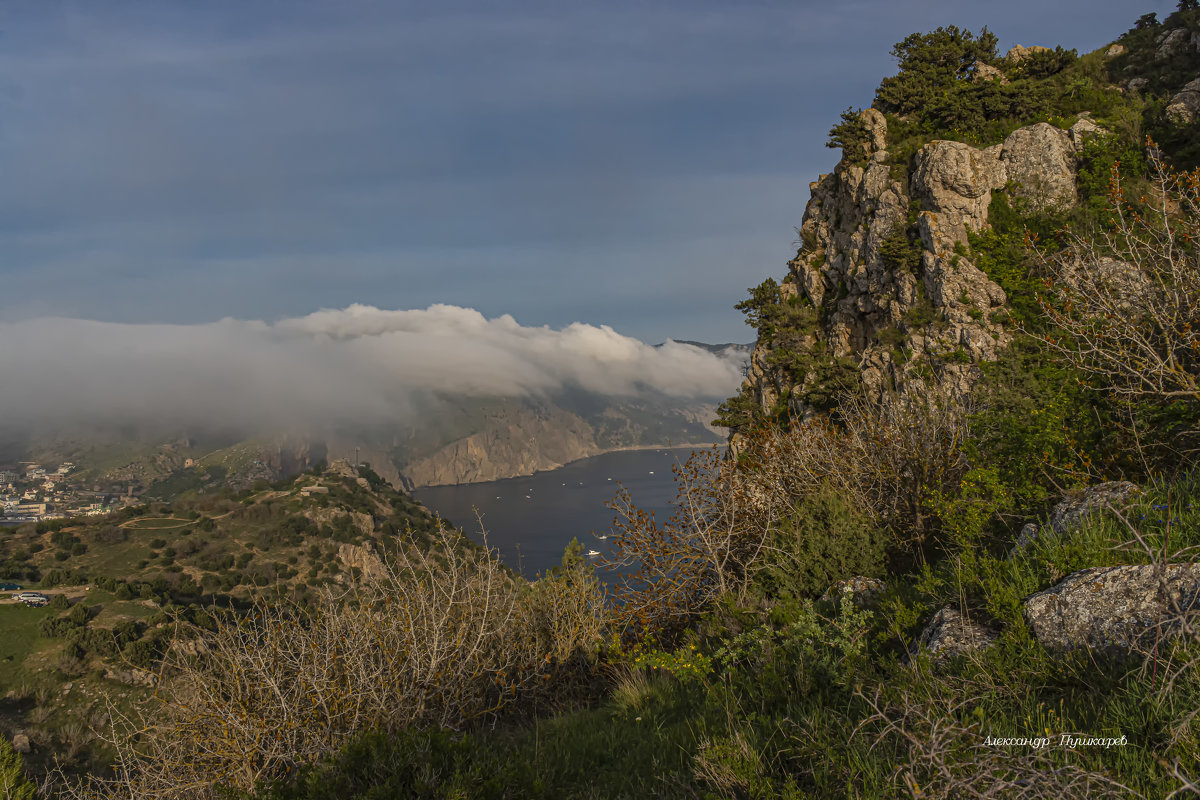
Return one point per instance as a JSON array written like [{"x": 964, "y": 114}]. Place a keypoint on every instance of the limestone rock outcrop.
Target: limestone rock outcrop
[
  {"x": 362, "y": 558},
  {"x": 1115, "y": 609},
  {"x": 1136, "y": 84},
  {"x": 874, "y": 308},
  {"x": 986, "y": 72},
  {"x": 1176, "y": 42},
  {"x": 1018, "y": 53},
  {"x": 1041, "y": 161},
  {"x": 955, "y": 181},
  {"x": 133, "y": 676},
  {"x": 1083, "y": 130},
  {"x": 1185, "y": 104}
]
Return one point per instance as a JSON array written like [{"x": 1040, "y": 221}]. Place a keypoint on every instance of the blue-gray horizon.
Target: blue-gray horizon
[{"x": 625, "y": 164}]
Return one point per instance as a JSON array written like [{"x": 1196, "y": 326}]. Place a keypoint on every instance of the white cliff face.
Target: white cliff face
[{"x": 865, "y": 298}]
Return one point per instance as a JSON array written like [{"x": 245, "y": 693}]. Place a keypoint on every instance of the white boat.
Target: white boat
[
  {"x": 602, "y": 536},
  {"x": 593, "y": 553}
]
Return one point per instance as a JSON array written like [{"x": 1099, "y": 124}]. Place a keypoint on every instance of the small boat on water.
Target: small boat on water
[
  {"x": 593, "y": 553},
  {"x": 602, "y": 536}
]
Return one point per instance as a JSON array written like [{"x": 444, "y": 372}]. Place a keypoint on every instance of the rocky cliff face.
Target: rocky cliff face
[
  {"x": 884, "y": 262},
  {"x": 523, "y": 438},
  {"x": 511, "y": 445}
]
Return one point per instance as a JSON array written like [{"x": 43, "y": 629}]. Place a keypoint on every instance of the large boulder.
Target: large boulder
[
  {"x": 1114, "y": 609},
  {"x": 954, "y": 181},
  {"x": 21, "y": 743},
  {"x": 1185, "y": 104},
  {"x": 1041, "y": 160},
  {"x": 950, "y": 634}
]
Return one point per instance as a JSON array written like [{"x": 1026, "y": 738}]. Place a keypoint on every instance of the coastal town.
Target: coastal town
[{"x": 31, "y": 492}]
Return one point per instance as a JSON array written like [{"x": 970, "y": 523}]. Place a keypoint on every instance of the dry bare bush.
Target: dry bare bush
[
  {"x": 939, "y": 757},
  {"x": 705, "y": 550},
  {"x": 446, "y": 636},
  {"x": 890, "y": 455},
  {"x": 1129, "y": 295}
]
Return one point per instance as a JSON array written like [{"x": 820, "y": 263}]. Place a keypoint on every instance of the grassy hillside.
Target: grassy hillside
[{"x": 123, "y": 584}]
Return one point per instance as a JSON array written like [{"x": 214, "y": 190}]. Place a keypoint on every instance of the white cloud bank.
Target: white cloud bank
[{"x": 360, "y": 364}]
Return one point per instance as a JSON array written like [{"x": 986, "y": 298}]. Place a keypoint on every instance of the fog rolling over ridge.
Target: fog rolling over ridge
[{"x": 360, "y": 366}]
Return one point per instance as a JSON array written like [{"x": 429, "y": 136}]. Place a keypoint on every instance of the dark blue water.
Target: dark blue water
[{"x": 531, "y": 520}]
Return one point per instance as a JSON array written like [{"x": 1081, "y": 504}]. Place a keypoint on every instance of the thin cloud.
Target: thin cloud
[{"x": 360, "y": 365}]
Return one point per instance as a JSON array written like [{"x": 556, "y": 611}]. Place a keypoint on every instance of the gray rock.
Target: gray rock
[
  {"x": 1072, "y": 510},
  {"x": 1041, "y": 161},
  {"x": 1083, "y": 130},
  {"x": 1185, "y": 104},
  {"x": 1137, "y": 84},
  {"x": 876, "y": 130},
  {"x": 955, "y": 182},
  {"x": 1029, "y": 532},
  {"x": 986, "y": 72},
  {"x": 21, "y": 743},
  {"x": 131, "y": 677},
  {"x": 1114, "y": 51},
  {"x": 950, "y": 634},
  {"x": 862, "y": 590},
  {"x": 1114, "y": 609},
  {"x": 1177, "y": 42},
  {"x": 1018, "y": 53}
]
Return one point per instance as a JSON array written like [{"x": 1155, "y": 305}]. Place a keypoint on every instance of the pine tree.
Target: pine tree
[{"x": 13, "y": 783}]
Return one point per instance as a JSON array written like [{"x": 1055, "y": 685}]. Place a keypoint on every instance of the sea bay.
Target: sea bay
[{"x": 531, "y": 520}]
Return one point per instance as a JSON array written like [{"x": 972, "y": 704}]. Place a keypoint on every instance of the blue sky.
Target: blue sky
[{"x": 632, "y": 164}]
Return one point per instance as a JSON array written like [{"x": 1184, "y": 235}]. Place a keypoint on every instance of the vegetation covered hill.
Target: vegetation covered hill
[
  {"x": 123, "y": 584},
  {"x": 953, "y": 556}
]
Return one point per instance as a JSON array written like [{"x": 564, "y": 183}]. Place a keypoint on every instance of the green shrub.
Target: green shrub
[
  {"x": 930, "y": 63},
  {"x": 823, "y": 540},
  {"x": 12, "y": 774},
  {"x": 851, "y": 135}
]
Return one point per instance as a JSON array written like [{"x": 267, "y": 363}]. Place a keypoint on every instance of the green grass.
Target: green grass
[
  {"x": 605, "y": 752},
  {"x": 19, "y": 641}
]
